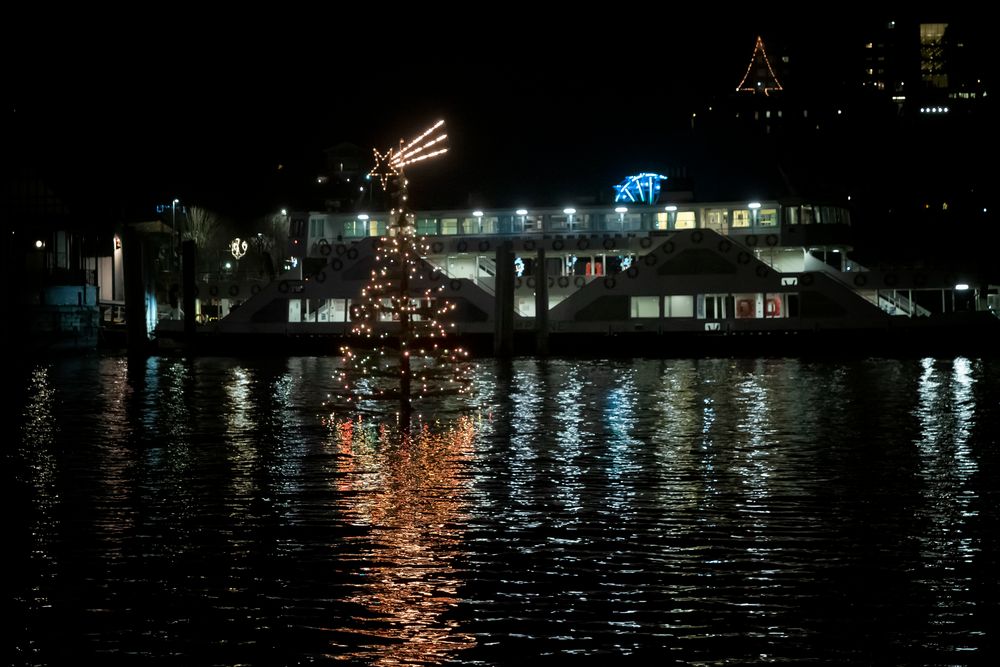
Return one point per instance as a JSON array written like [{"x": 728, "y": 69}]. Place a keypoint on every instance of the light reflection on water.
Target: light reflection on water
[
  {"x": 705, "y": 511},
  {"x": 409, "y": 491}
]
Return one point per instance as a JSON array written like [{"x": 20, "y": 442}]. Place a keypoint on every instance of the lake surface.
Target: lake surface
[{"x": 224, "y": 511}]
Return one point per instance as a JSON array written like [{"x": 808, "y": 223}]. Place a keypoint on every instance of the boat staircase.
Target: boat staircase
[{"x": 897, "y": 303}]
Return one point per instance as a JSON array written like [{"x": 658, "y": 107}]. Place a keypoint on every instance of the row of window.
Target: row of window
[
  {"x": 722, "y": 220},
  {"x": 752, "y": 305}
]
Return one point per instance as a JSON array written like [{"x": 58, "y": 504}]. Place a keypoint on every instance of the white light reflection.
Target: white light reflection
[
  {"x": 242, "y": 452},
  {"x": 122, "y": 398},
  {"x": 755, "y": 435},
  {"x": 946, "y": 413},
  {"x": 620, "y": 419},
  {"x": 676, "y": 427},
  {"x": 39, "y": 468},
  {"x": 570, "y": 468},
  {"x": 527, "y": 409}
]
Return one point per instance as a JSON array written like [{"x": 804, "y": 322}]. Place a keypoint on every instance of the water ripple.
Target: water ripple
[{"x": 709, "y": 511}]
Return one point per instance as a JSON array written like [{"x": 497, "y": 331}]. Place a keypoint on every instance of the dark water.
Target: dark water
[{"x": 701, "y": 512}]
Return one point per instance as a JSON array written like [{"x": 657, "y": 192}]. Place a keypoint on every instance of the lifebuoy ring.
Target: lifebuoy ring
[
  {"x": 743, "y": 257},
  {"x": 455, "y": 284},
  {"x": 697, "y": 236},
  {"x": 725, "y": 245},
  {"x": 579, "y": 281},
  {"x": 668, "y": 247},
  {"x": 890, "y": 279},
  {"x": 771, "y": 240},
  {"x": 436, "y": 275},
  {"x": 751, "y": 241},
  {"x": 563, "y": 281},
  {"x": 529, "y": 244},
  {"x": 462, "y": 246},
  {"x": 324, "y": 247},
  {"x": 283, "y": 286},
  {"x": 234, "y": 290},
  {"x": 632, "y": 272},
  {"x": 609, "y": 283},
  {"x": 530, "y": 282},
  {"x": 255, "y": 289},
  {"x": 645, "y": 242},
  {"x": 321, "y": 277},
  {"x": 582, "y": 244},
  {"x": 649, "y": 259},
  {"x": 860, "y": 280},
  {"x": 437, "y": 247},
  {"x": 352, "y": 253},
  {"x": 761, "y": 271},
  {"x": 558, "y": 244},
  {"x": 484, "y": 246},
  {"x": 552, "y": 282},
  {"x": 340, "y": 248},
  {"x": 518, "y": 282},
  {"x": 608, "y": 244},
  {"x": 336, "y": 264},
  {"x": 213, "y": 290}
]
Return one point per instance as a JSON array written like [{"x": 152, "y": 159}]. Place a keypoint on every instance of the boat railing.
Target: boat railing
[{"x": 897, "y": 303}]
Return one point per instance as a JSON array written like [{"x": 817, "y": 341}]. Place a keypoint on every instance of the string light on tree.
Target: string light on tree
[{"x": 402, "y": 352}]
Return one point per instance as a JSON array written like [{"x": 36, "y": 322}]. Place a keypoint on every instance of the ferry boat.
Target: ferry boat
[{"x": 665, "y": 279}]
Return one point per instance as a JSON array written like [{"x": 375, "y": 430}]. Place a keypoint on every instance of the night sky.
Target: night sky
[{"x": 538, "y": 109}]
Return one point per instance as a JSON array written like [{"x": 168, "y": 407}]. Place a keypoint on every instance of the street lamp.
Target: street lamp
[
  {"x": 479, "y": 221},
  {"x": 522, "y": 212},
  {"x": 569, "y": 212},
  {"x": 754, "y": 208}
]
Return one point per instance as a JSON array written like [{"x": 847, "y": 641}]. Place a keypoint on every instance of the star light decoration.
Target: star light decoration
[
  {"x": 391, "y": 163},
  {"x": 402, "y": 350}
]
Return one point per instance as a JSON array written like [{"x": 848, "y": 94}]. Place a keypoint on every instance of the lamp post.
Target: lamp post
[
  {"x": 754, "y": 207},
  {"x": 523, "y": 212},
  {"x": 569, "y": 212},
  {"x": 621, "y": 211},
  {"x": 671, "y": 216},
  {"x": 173, "y": 225}
]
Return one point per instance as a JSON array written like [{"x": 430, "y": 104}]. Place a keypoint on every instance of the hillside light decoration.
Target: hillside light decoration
[
  {"x": 402, "y": 352},
  {"x": 238, "y": 248}
]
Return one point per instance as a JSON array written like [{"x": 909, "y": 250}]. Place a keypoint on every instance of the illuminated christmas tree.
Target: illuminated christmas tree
[{"x": 402, "y": 352}]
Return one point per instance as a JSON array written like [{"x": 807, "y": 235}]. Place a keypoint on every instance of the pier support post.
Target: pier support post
[
  {"x": 187, "y": 289},
  {"x": 503, "y": 308},
  {"x": 541, "y": 305},
  {"x": 138, "y": 293}
]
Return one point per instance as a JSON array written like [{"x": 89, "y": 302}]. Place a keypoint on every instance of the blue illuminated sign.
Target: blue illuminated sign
[{"x": 642, "y": 188}]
